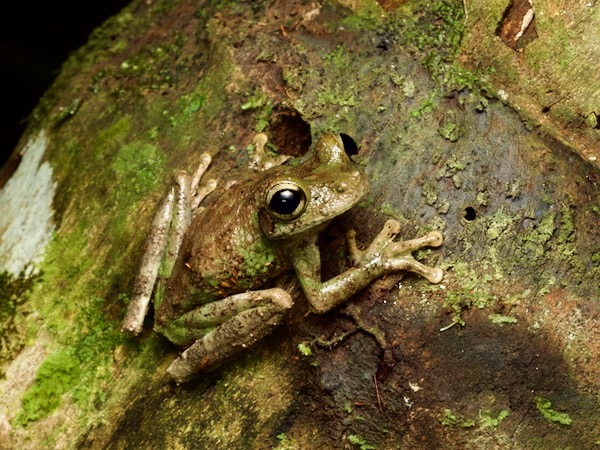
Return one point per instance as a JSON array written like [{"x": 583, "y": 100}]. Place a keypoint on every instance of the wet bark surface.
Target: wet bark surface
[{"x": 471, "y": 363}]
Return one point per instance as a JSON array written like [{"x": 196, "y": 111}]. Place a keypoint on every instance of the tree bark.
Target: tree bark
[{"x": 493, "y": 143}]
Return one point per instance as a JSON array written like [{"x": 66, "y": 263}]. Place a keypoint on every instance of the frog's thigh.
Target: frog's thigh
[{"x": 242, "y": 320}]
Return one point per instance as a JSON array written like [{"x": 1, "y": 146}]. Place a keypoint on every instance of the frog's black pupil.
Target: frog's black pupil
[
  {"x": 349, "y": 144},
  {"x": 285, "y": 201}
]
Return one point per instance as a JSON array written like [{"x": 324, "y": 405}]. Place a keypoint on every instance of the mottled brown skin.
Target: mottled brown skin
[{"x": 210, "y": 265}]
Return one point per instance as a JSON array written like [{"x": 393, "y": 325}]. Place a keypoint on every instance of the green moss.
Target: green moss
[
  {"x": 191, "y": 104},
  {"x": 304, "y": 349},
  {"x": 427, "y": 105},
  {"x": 481, "y": 199},
  {"x": 75, "y": 319},
  {"x": 499, "y": 319},
  {"x": 255, "y": 101},
  {"x": 337, "y": 92},
  {"x": 213, "y": 84},
  {"x": 388, "y": 210},
  {"x": 81, "y": 367},
  {"x": 138, "y": 168},
  {"x": 110, "y": 137},
  {"x": 435, "y": 32},
  {"x": 534, "y": 240},
  {"x": 367, "y": 16},
  {"x": 451, "y": 419},
  {"x": 544, "y": 406},
  {"x": 262, "y": 107},
  {"x": 487, "y": 420},
  {"x": 430, "y": 191},
  {"x": 14, "y": 292},
  {"x": 330, "y": 96},
  {"x": 453, "y": 166},
  {"x": 428, "y": 27},
  {"x": 449, "y": 128},
  {"x": 359, "y": 442},
  {"x": 500, "y": 222},
  {"x": 153, "y": 133},
  {"x": 285, "y": 443},
  {"x": 537, "y": 238},
  {"x": 449, "y": 131},
  {"x": 474, "y": 291},
  {"x": 54, "y": 378}
]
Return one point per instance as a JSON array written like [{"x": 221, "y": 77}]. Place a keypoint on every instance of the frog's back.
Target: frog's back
[{"x": 223, "y": 252}]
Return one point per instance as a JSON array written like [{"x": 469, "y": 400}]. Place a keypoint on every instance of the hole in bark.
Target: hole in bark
[
  {"x": 289, "y": 132},
  {"x": 470, "y": 214}
]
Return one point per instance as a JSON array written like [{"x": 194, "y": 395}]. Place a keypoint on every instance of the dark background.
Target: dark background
[{"x": 35, "y": 39}]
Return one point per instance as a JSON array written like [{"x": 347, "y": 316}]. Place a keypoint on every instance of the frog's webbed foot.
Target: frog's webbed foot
[
  {"x": 165, "y": 236},
  {"x": 220, "y": 329},
  {"x": 260, "y": 159},
  {"x": 396, "y": 255}
]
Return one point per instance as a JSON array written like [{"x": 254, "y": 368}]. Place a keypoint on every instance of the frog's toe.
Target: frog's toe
[
  {"x": 435, "y": 239},
  {"x": 436, "y": 275},
  {"x": 391, "y": 228},
  {"x": 260, "y": 139}
]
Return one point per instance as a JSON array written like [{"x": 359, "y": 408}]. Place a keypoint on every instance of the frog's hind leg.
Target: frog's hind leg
[
  {"x": 226, "y": 327},
  {"x": 154, "y": 251},
  {"x": 166, "y": 234}
]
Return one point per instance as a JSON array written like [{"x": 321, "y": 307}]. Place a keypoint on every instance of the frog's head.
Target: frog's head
[{"x": 304, "y": 198}]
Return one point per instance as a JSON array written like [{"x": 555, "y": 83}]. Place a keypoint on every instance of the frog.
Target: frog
[{"x": 222, "y": 277}]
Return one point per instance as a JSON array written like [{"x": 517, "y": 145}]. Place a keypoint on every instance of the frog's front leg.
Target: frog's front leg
[
  {"x": 221, "y": 328},
  {"x": 383, "y": 256},
  {"x": 166, "y": 233}
]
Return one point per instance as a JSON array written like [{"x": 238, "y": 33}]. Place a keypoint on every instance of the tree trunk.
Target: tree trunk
[{"x": 464, "y": 126}]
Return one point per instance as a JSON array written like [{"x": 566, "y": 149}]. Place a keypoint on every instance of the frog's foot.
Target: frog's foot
[
  {"x": 397, "y": 255},
  {"x": 260, "y": 160},
  {"x": 242, "y": 320},
  {"x": 385, "y": 236}
]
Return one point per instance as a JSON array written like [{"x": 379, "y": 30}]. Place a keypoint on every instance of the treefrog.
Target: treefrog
[{"x": 225, "y": 275}]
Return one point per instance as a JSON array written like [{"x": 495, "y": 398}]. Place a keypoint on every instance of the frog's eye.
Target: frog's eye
[
  {"x": 285, "y": 201},
  {"x": 350, "y": 146}
]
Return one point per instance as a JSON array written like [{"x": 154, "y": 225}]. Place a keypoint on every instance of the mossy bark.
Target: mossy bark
[{"x": 495, "y": 147}]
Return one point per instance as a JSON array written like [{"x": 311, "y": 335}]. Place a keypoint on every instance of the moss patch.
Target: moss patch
[
  {"x": 14, "y": 293},
  {"x": 82, "y": 364},
  {"x": 544, "y": 406},
  {"x": 54, "y": 378}
]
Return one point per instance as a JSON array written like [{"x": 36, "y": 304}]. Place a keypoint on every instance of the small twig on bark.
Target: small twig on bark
[{"x": 377, "y": 392}]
